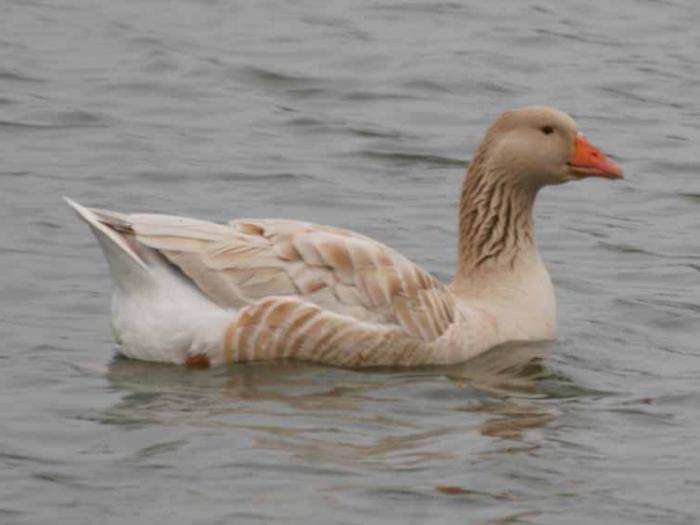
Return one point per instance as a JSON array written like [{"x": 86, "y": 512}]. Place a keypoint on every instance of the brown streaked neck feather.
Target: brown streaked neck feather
[{"x": 495, "y": 220}]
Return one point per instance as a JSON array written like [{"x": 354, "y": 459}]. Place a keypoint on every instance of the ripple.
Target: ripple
[
  {"x": 276, "y": 79},
  {"x": 627, "y": 248},
  {"x": 13, "y": 76},
  {"x": 670, "y": 166},
  {"x": 402, "y": 158},
  {"x": 371, "y": 96},
  {"x": 13, "y": 124},
  {"x": 427, "y": 85},
  {"x": 420, "y": 7},
  {"x": 452, "y": 490},
  {"x": 58, "y": 121},
  {"x": 267, "y": 177},
  {"x": 308, "y": 92},
  {"x": 376, "y": 133},
  {"x": 161, "y": 448},
  {"x": 630, "y": 94},
  {"x": 579, "y": 37},
  {"x": 317, "y": 125}
]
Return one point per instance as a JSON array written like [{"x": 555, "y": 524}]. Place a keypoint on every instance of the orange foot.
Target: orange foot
[{"x": 197, "y": 361}]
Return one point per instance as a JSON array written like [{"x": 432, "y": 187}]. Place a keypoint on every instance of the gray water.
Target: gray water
[{"x": 359, "y": 114}]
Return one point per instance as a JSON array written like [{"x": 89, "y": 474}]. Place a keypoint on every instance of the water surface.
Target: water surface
[{"x": 362, "y": 115}]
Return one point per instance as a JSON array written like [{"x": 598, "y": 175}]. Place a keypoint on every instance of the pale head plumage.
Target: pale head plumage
[{"x": 530, "y": 147}]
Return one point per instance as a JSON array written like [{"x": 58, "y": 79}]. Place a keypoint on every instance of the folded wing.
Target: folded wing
[{"x": 344, "y": 272}]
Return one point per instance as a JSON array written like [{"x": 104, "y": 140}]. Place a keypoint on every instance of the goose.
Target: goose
[{"x": 201, "y": 294}]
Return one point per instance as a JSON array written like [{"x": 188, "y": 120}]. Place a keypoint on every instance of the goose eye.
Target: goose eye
[{"x": 547, "y": 130}]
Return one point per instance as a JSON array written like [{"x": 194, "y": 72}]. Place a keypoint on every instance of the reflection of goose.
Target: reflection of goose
[
  {"x": 199, "y": 293},
  {"x": 507, "y": 369},
  {"x": 330, "y": 416}
]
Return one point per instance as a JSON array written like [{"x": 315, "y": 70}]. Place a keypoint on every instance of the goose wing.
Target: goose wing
[{"x": 246, "y": 261}]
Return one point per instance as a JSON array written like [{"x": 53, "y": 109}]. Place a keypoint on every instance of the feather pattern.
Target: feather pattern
[
  {"x": 290, "y": 328},
  {"x": 338, "y": 270}
]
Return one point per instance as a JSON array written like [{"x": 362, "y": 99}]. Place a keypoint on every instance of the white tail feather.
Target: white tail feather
[{"x": 126, "y": 267}]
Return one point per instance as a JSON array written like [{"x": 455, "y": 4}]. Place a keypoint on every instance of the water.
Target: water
[{"x": 357, "y": 114}]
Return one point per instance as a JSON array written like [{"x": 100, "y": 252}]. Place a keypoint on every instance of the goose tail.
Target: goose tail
[{"x": 128, "y": 269}]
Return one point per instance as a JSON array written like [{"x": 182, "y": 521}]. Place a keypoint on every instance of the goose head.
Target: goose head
[
  {"x": 536, "y": 146},
  {"x": 524, "y": 150}
]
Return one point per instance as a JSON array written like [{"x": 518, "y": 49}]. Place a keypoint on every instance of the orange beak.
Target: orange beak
[{"x": 589, "y": 161}]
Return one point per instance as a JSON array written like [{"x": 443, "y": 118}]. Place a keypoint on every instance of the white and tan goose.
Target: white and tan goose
[{"x": 199, "y": 293}]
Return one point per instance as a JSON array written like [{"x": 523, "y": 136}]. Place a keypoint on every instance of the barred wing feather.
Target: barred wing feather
[{"x": 346, "y": 273}]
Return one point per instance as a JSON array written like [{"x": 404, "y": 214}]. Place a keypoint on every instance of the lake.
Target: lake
[{"x": 360, "y": 115}]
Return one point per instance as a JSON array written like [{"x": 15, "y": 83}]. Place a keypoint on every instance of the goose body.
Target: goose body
[{"x": 199, "y": 293}]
